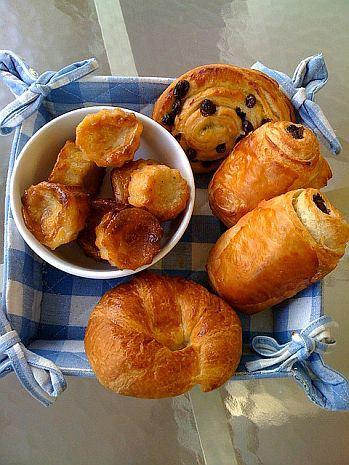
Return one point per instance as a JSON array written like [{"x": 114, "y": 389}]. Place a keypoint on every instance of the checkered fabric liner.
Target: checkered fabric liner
[{"x": 49, "y": 308}]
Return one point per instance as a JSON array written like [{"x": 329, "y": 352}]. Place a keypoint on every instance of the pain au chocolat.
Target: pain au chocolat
[
  {"x": 273, "y": 159},
  {"x": 278, "y": 249}
]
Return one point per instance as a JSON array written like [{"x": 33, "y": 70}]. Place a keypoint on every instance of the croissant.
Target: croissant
[
  {"x": 73, "y": 168},
  {"x": 129, "y": 238},
  {"x": 158, "y": 336},
  {"x": 87, "y": 237},
  {"x": 278, "y": 249},
  {"x": 54, "y": 213},
  {"x": 109, "y": 137},
  {"x": 210, "y": 108},
  {"x": 273, "y": 159}
]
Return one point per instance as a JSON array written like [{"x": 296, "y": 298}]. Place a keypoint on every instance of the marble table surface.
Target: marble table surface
[{"x": 266, "y": 422}]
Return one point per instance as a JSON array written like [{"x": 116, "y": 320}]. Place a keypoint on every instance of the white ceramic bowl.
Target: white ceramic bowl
[{"x": 36, "y": 161}]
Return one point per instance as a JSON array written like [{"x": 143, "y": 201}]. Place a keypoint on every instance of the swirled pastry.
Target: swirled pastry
[
  {"x": 210, "y": 108},
  {"x": 159, "y": 189},
  {"x": 158, "y": 336},
  {"x": 273, "y": 159},
  {"x": 87, "y": 237},
  {"x": 129, "y": 239},
  {"x": 109, "y": 137},
  {"x": 278, "y": 249},
  {"x": 120, "y": 178},
  {"x": 54, "y": 213},
  {"x": 73, "y": 168}
]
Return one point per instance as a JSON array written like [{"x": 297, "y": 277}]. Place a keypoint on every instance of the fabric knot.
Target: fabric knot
[
  {"x": 299, "y": 97},
  {"x": 306, "y": 344},
  {"x": 31, "y": 89},
  {"x": 309, "y": 77},
  {"x": 302, "y": 357},
  {"x": 40, "y": 89},
  {"x": 8, "y": 340},
  {"x": 39, "y": 376}
]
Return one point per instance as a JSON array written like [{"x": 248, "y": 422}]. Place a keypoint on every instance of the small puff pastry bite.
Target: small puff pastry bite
[
  {"x": 129, "y": 238},
  {"x": 159, "y": 189},
  {"x": 87, "y": 237},
  {"x": 120, "y": 178},
  {"x": 109, "y": 137},
  {"x": 210, "y": 108},
  {"x": 278, "y": 249},
  {"x": 273, "y": 159},
  {"x": 54, "y": 213},
  {"x": 73, "y": 168}
]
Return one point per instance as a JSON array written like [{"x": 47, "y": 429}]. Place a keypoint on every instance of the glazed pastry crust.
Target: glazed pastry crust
[
  {"x": 227, "y": 87},
  {"x": 109, "y": 137},
  {"x": 276, "y": 250},
  {"x": 129, "y": 239},
  {"x": 120, "y": 178},
  {"x": 73, "y": 168},
  {"x": 87, "y": 237},
  {"x": 267, "y": 163},
  {"x": 159, "y": 189},
  {"x": 158, "y": 336},
  {"x": 54, "y": 213}
]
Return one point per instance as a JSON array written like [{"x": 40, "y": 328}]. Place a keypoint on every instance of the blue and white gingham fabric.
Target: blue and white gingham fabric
[{"x": 49, "y": 309}]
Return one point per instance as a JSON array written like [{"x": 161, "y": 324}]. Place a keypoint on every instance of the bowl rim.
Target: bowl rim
[{"x": 46, "y": 254}]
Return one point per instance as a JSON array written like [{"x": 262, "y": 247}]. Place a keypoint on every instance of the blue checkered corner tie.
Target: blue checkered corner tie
[
  {"x": 302, "y": 357},
  {"x": 310, "y": 75},
  {"x": 39, "y": 376},
  {"x": 30, "y": 88}
]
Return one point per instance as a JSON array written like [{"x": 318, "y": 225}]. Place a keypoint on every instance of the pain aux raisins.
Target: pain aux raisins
[
  {"x": 178, "y": 137},
  {"x": 207, "y": 107},
  {"x": 176, "y": 107},
  {"x": 168, "y": 119},
  {"x": 265, "y": 120},
  {"x": 247, "y": 126},
  {"x": 241, "y": 114},
  {"x": 191, "y": 154},
  {"x": 181, "y": 89},
  {"x": 221, "y": 148},
  {"x": 250, "y": 101}
]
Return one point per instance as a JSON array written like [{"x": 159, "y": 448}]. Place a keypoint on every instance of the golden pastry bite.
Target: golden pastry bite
[
  {"x": 278, "y": 249},
  {"x": 273, "y": 159},
  {"x": 159, "y": 189},
  {"x": 54, "y": 213},
  {"x": 120, "y": 178},
  {"x": 210, "y": 108},
  {"x": 159, "y": 336},
  {"x": 73, "y": 168},
  {"x": 109, "y": 137},
  {"x": 87, "y": 237},
  {"x": 129, "y": 239}
]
